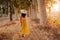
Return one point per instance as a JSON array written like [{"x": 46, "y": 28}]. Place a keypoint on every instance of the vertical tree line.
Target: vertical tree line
[{"x": 32, "y": 6}]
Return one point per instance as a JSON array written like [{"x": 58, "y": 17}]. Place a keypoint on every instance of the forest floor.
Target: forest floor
[{"x": 11, "y": 31}]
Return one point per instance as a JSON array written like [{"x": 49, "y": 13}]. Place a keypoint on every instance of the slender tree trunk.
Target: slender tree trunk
[
  {"x": 1, "y": 10},
  {"x": 30, "y": 11},
  {"x": 16, "y": 13},
  {"x": 7, "y": 8},
  {"x": 10, "y": 11},
  {"x": 34, "y": 9},
  {"x": 42, "y": 11}
]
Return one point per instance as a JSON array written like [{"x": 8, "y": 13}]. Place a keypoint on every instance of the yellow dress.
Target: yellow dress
[{"x": 24, "y": 25}]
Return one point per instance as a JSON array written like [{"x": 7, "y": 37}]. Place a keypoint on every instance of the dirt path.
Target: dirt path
[{"x": 37, "y": 32}]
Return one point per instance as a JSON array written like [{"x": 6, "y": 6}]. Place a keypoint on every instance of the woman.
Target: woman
[{"x": 24, "y": 29}]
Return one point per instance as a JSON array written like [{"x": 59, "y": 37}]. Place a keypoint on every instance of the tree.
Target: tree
[
  {"x": 42, "y": 4},
  {"x": 22, "y": 4},
  {"x": 34, "y": 9},
  {"x": 42, "y": 11},
  {"x": 3, "y": 5},
  {"x": 11, "y": 9}
]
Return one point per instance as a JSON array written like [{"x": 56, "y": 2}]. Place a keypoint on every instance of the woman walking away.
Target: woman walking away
[{"x": 24, "y": 29}]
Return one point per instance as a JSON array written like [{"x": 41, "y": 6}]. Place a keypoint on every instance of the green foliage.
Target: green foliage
[
  {"x": 22, "y": 4},
  {"x": 2, "y": 1},
  {"x": 26, "y": 4},
  {"x": 15, "y": 3}
]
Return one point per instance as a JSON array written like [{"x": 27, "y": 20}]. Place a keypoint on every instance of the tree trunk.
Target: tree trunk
[
  {"x": 10, "y": 11},
  {"x": 1, "y": 11},
  {"x": 33, "y": 10},
  {"x": 32, "y": 13},
  {"x": 42, "y": 11}
]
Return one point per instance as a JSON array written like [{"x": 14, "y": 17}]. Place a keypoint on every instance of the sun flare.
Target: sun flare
[{"x": 55, "y": 7}]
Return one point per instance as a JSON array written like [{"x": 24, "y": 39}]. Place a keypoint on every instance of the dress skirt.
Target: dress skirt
[{"x": 24, "y": 29}]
